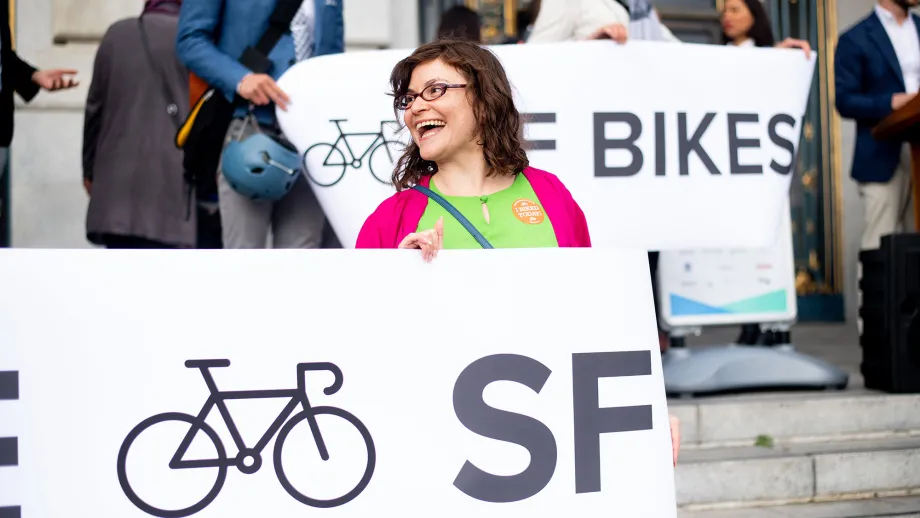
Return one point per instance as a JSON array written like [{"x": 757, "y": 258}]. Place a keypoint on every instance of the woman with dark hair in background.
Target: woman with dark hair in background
[
  {"x": 460, "y": 23},
  {"x": 745, "y": 23}
]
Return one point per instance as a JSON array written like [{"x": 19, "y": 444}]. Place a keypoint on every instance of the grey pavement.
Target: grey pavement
[{"x": 908, "y": 506}]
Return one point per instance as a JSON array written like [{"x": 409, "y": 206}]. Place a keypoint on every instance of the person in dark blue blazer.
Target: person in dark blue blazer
[
  {"x": 877, "y": 69},
  {"x": 212, "y": 36}
]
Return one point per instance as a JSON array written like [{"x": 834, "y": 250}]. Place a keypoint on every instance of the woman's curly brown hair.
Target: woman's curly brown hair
[{"x": 501, "y": 130}]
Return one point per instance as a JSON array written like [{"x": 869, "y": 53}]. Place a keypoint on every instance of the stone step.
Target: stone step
[
  {"x": 903, "y": 507},
  {"x": 798, "y": 472},
  {"x": 799, "y": 417}
]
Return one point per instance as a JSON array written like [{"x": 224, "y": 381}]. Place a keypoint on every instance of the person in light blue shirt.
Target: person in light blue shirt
[
  {"x": 212, "y": 36},
  {"x": 645, "y": 24}
]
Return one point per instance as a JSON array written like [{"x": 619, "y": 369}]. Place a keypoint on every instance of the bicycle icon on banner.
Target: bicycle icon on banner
[
  {"x": 383, "y": 156},
  {"x": 248, "y": 460}
]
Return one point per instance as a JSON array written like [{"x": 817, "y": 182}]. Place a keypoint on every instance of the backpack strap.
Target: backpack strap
[
  {"x": 279, "y": 23},
  {"x": 172, "y": 109},
  {"x": 483, "y": 242}
]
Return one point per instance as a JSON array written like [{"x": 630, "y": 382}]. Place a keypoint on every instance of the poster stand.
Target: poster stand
[{"x": 699, "y": 288}]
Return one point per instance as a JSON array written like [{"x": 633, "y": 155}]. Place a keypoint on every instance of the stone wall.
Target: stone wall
[{"x": 48, "y": 202}]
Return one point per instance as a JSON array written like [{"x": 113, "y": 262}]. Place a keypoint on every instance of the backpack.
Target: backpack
[{"x": 201, "y": 136}]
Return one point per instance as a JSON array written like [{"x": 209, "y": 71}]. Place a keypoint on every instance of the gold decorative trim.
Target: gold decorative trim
[
  {"x": 831, "y": 166},
  {"x": 825, "y": 107},
  {"x": 510, "y": 17},
  {"x": 836, "y": 144},
  {"x": 12, "y": 4}
]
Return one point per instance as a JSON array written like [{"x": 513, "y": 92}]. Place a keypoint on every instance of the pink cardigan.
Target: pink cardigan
[{"x": 398, "y": 215}]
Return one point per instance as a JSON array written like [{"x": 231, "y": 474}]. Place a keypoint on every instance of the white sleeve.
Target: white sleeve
[
  {"x": 668, "y": 35},
  {"x": 594, "y": 14},
  {"x": 555, "y": 22}
]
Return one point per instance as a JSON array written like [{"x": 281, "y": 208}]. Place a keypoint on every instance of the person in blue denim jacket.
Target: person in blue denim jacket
[{"x": 212, "y": 36}]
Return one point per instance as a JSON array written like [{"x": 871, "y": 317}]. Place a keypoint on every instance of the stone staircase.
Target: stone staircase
[{"x": 807, "y": 455}]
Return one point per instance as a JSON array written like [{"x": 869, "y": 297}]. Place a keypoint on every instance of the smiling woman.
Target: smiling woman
[{"x": 465, "y": 180}]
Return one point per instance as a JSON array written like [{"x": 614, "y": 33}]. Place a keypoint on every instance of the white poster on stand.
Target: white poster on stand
[
  {"x": 664, "y": 146},
  {"x": 729, "y": 286},
  {"x": 331, "y": 383}
]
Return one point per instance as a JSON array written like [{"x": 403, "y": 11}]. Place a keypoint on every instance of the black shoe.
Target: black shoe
[
  {"x": 779, "y": 338},
  {"x": 750, "y": 335},
  {"x": 770, "y": 338}
]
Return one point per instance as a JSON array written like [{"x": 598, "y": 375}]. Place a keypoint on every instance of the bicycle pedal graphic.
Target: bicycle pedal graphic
[
  {"x": 249, "y": 459},
  {"x": 381, "y": 154}
]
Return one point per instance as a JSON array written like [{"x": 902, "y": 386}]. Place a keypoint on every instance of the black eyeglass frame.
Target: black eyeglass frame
[{"x": 408, "y": 98}]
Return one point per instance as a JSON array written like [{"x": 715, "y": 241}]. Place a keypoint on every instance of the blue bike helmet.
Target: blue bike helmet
[{"x": 260, "y": 168}]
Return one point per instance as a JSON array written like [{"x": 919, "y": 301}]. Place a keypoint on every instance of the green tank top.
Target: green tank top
[{"x": 516, "y": 218}]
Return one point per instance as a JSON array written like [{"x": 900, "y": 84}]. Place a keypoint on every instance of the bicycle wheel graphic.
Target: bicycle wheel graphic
[
  {"x": 146, "y": 425},
  {"x": 318, "y": 412},
  {"x": 383, "y": 160},
  {"x": 331, "y": 168}
]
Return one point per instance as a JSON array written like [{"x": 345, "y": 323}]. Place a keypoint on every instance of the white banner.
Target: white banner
[
  {"x": 730, "y": 286},
  {"x": 429, "y": 396},
  {"x": 664, "y": 146}
]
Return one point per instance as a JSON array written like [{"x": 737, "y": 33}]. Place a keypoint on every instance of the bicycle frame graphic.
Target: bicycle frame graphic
[
  {"x": 248, "y": 460},
  {"x": 334, "y": 162}
]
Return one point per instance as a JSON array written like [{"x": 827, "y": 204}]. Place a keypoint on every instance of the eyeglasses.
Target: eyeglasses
[{"x": 430, "y": 93}]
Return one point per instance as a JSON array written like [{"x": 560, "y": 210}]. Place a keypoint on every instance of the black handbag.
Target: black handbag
[
  {"x": 202, "y": 135},
  {"x": 208, "y": 231}
]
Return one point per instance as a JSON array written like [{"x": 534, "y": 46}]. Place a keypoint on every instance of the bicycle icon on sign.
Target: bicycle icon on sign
[
  {"x": 248, "y": 460},
  {"x": 332, "y": 158}
]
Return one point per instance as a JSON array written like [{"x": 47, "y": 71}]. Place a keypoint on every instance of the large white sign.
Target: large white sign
[
  {"x": 327, "y": 383},
  {"x": 729, "y": 286},
  {"x": 664, "y": 146}
]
